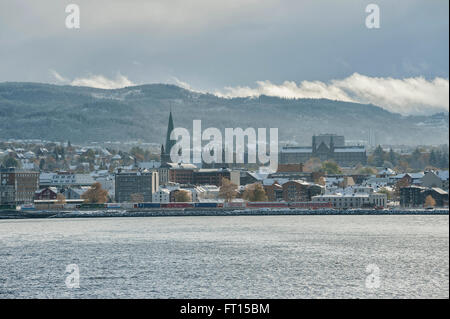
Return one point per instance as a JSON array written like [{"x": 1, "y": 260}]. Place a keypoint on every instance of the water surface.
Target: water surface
[{"x": 226, "y": 257}]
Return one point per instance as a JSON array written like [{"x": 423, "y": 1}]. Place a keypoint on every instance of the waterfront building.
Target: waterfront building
[
  {"x": 407, "y": 178},
  {"x": 72, "y": 193},
  {"x": 18, "y": 186},
  {"x": 181, "y": 173},
  {"x": 411, "y": 196},
  {"x": 300, "y": 191},
  {"x": 46, "y": 193},
  {"x": 354, "y": 200},
  {"x": 274, "y": 190},
  {"x": 439, "y": 195},
  {"x": 214, "y": 176},
  {"x": 161, "y": 196},
  {"x": 65, "y": 179},
  {"x": 142, "y": 183},
  {"x": 189, "y": 174},
  {"x": 415, "y": 196},
  {"x": 282, "y": 189}
]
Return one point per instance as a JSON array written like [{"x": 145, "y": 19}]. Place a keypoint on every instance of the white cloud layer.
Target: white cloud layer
[
  {"x": 102, "y": 82},
  {"x": 405, "y": 96},
  {"x": 96, "y": 81}
]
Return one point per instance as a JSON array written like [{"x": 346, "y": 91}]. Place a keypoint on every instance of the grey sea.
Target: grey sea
[{"x": 227, "y": 257}]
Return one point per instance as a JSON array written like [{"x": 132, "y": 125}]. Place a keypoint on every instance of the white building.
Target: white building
[
  {"x": 207, "y": 193},
  {"x": 355, "y": 200},
  {"x": 62, "y": 179},
  {"x": 161, "y": 196}
]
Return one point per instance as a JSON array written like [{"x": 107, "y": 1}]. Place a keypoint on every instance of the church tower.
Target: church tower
[
  {"x": 331, "y": 155},
  {"x": 165, "y": 149}
]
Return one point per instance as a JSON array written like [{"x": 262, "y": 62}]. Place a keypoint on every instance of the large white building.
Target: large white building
[
  {"x": 65, "y": 179},
  {"x": 355, "y": 200}
]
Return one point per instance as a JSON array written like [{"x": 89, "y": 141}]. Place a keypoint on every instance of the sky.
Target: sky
[{"x": 287, "y": 48}]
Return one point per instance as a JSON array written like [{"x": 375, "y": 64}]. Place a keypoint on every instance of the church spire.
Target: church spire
[
  {"x": 169, "y": 142},
  {"x": 314, "y": 146},
  {"x": 165, "y": 148}
]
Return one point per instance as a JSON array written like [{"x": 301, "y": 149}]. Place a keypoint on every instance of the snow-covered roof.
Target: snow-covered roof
[
  {"x": 258, "y": 175},
  {"x": 270, "y": 181},
  {"x": 299, "y": 149},
  {"x": 386, "y": 171},
  {"x": 164, "y": 190},
  {"x": 80, "y": 190},
  {"x": 148, "y": 165},
  {"x": 412, "y": 175},
  {"x": 29, "y": 154},
  {"x": 182, "y": 165},
  {"x": 443, "y": 175},
  {"x": 353, "y": 195},
  {"x": 439, "y": 191},
  {"x": 351, "y": 149}
]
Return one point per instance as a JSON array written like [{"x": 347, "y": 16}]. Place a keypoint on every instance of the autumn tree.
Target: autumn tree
[
  {"x": 228, "y": 190},
  {"x": 95, "y": 194},
  {"x": 60, "y": 199},
  {"x": 403, "y": 166},
  {"x": 182, "y": 196},
  {"x": 321, "y": 181},
  {"x": 367, "y": 170},
  {"x": 330, "y": 167},
  {"x": 255, "y": 193},
  {"x": 312, "y": 165},
  {"x": 429, "y": 201}
]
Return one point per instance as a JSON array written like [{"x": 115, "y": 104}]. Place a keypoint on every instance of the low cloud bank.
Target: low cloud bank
[
  {"x": 406, "y": 96},
  {"x": 96, "y": 81}
]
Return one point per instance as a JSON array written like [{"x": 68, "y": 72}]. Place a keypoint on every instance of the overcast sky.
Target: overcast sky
[{"x": 237, "y": 48}]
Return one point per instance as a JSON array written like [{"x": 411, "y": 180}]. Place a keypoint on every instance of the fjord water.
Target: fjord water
[{"x": 226, "y": 257}]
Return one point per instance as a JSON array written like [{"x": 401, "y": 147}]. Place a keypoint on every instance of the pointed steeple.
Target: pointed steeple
[
  {"x": 169, "y": 142},
  {"x": 314, "y": 146}
]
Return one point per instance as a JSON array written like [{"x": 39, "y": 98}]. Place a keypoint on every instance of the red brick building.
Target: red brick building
[{"x": 47, "y": 193}]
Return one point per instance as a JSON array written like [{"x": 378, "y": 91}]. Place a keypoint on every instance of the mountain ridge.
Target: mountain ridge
[{"x": 78, "y": 113}]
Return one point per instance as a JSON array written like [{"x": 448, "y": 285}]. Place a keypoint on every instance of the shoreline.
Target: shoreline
[{"x": 210, "y": 212}]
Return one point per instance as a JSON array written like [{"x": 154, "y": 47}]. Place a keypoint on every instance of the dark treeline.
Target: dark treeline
[{"x": 419, "y": 159}]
